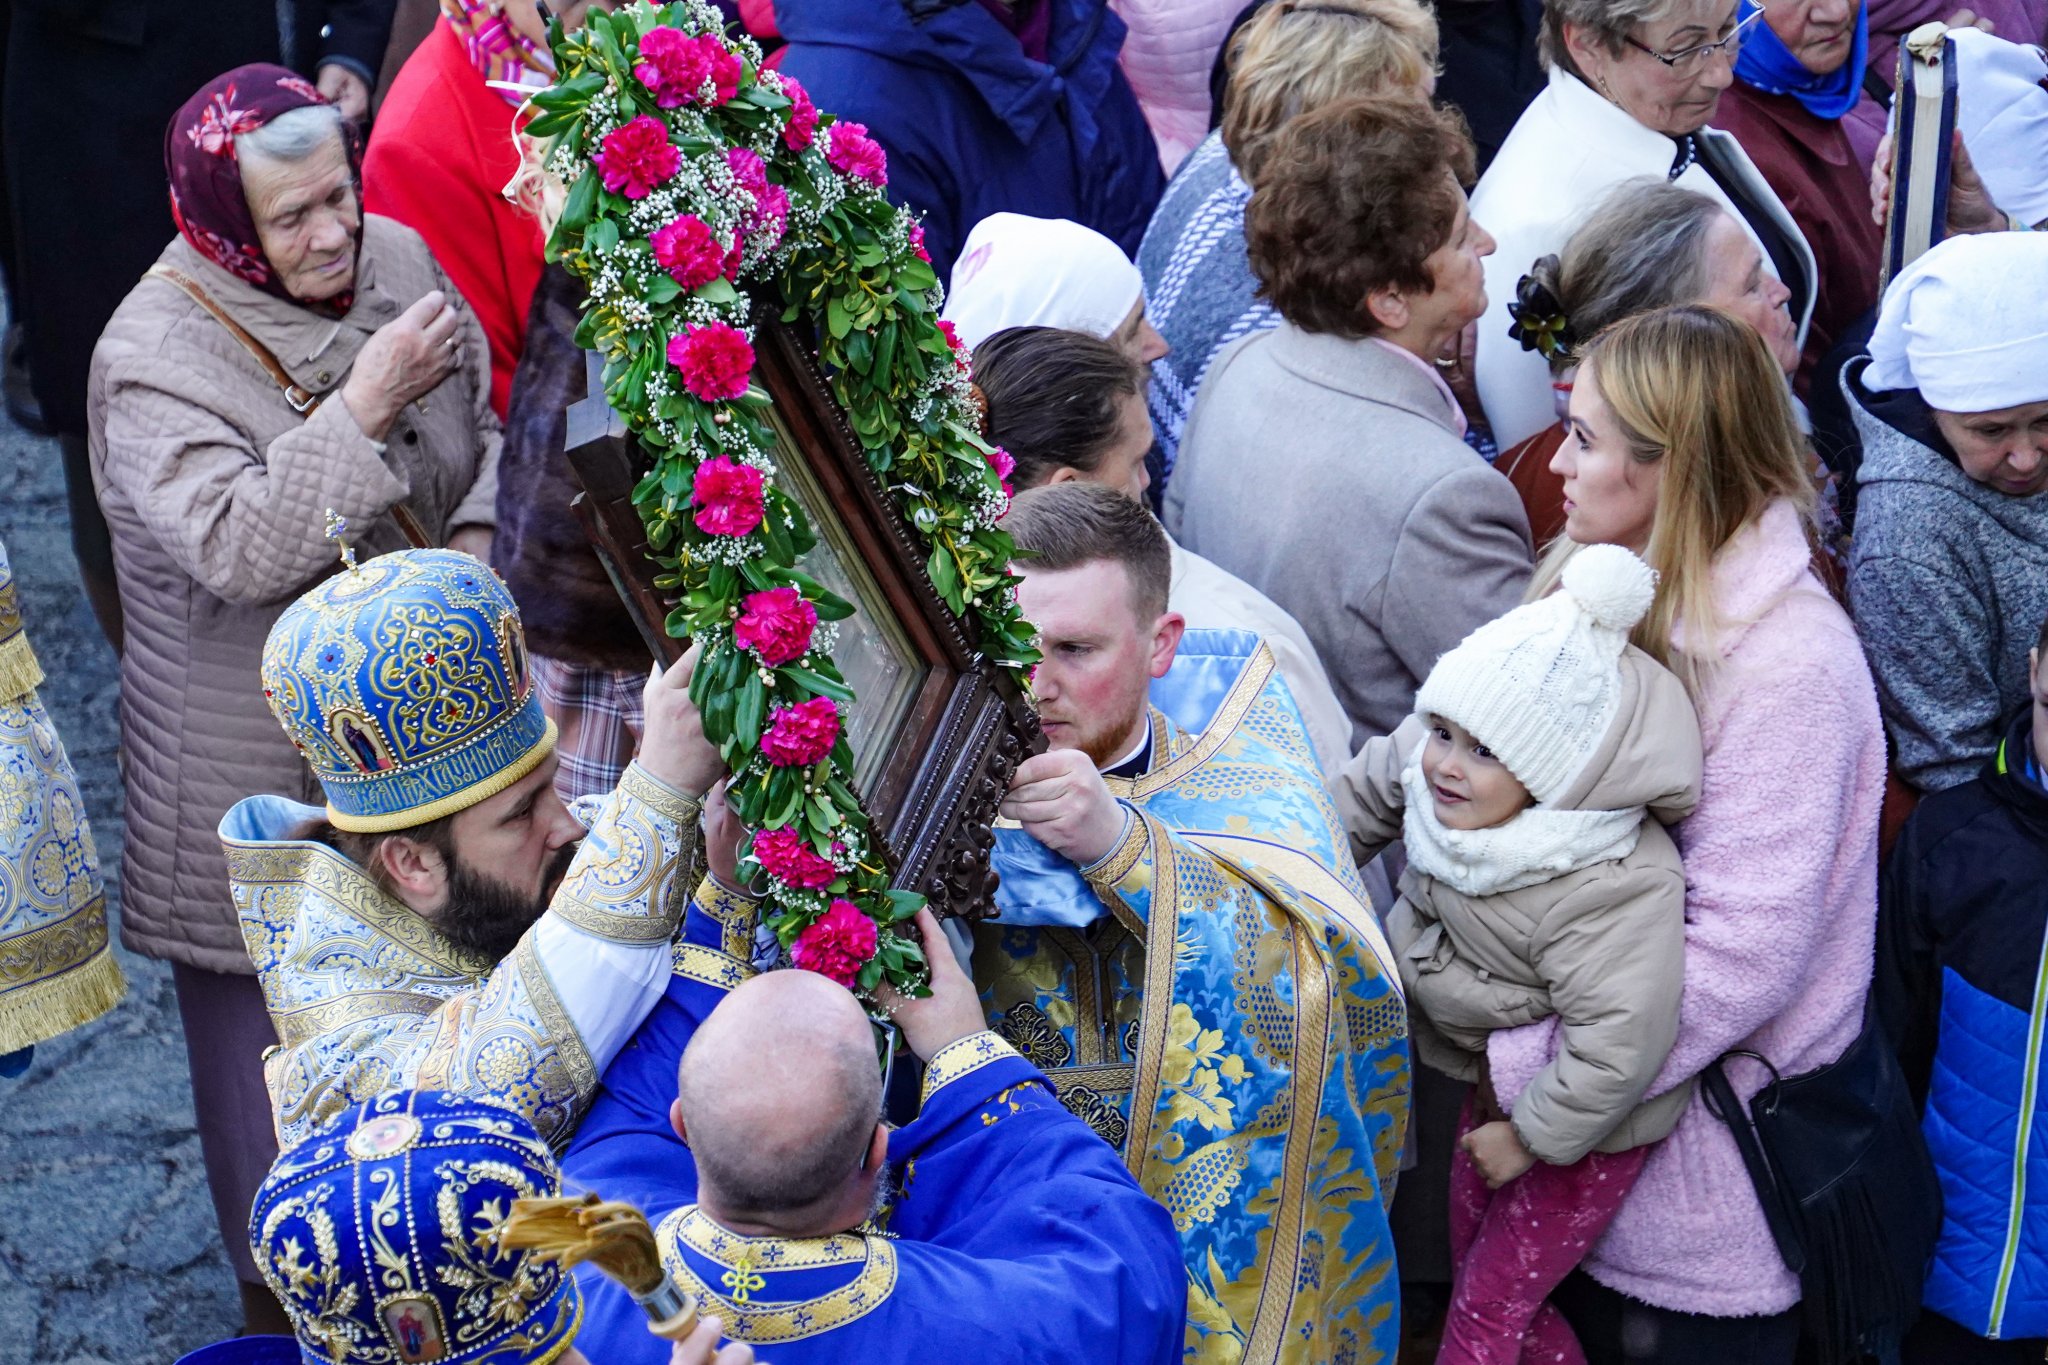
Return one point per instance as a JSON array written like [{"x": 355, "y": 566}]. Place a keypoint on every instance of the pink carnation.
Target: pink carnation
[
  {"x": 747, "y": 169},
  {"x": 637, "y": 157},
  {"x": 776, "y": 625},
  {"x": 688, "y": 250},
  {"x": 675, "y": 66},
  {"x": 713, "y": 360},
  {"x": 856, "y": 154},
  {"x": 837, "y": 944},
  {"x": 770, "y": 218},
  {"x": 802, "y": 734},
  {"x": 1004, "y": 464},
  {"x": 803, "y": 115},
  {"x": 917, "y": 243},
  {"x": 728, "y": 497},
  {"x": 952, "y": 335},
  {"x": 787, "y": 856}
]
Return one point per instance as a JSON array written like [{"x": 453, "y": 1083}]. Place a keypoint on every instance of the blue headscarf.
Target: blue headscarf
[{"x": 1767, "y": 64}]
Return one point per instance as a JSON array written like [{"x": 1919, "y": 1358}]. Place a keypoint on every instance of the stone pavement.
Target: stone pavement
[{"x": 108, "y": 1250}]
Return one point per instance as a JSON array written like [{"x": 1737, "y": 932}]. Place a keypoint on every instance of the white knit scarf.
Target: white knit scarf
[{"x": 1535, "y": 846}]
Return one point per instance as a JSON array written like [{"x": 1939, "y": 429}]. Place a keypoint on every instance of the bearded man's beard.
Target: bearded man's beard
[
  {"x": 1106, "y": 744},
  {"x": 488, "y": 917}
]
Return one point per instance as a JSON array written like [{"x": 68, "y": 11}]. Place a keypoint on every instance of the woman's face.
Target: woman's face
[
  {"x": 1738, "y": 282},
  {"x": 307, "y": 219},
  {"x": 2006, "y": 449},
  {"x": 1818, "y": 33},
  {"x": 1610, "y": 497},
  {"x": 1137, "y": 338},
  {"x": 1674, "y": 99},
  {"x": 1426, "y": 323}
]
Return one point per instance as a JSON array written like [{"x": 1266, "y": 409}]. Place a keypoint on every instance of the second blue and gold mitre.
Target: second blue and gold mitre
[
  {"x": 404, "y": 682},
  {"x": 379, "y": 1235}
]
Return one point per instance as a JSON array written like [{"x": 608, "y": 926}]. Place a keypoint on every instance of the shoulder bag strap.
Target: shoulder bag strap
[
  {"x": 1722, "y": 1103},
  {"x": 303, "y": 401}
]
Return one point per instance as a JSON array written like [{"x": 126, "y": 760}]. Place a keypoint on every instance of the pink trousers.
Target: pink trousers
[{"x": 1512, "y": 1246}]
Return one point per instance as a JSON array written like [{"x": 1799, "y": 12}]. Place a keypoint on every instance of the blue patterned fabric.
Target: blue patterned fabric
[
  {"x": 376, "y": 1235},
  {"x": 55, "y": 970},
  {"x": 367, "y": 996},
  {"x": 1254, "y": 1073},
  {"x": 404, "y": 682}
]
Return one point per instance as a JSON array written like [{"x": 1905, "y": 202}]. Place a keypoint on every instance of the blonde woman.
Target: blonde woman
[
  {"x": 1290, "y": 58},
  {"x": 1683, "y": 448}
]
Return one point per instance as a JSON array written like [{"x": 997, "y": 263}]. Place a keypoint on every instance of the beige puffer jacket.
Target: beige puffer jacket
[
  {"x": 215, "y": 490},
  {"x": 1603, "y": 948}
]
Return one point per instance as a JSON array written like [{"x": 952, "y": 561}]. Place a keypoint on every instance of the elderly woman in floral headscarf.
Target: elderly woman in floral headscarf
[{"x": 287, "y": 356}]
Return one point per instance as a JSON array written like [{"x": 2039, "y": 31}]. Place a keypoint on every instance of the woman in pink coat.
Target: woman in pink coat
[{"x": 1683, "y": 448}]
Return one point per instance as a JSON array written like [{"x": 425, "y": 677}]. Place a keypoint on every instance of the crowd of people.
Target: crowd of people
[{"x": 1542, "y": 650}]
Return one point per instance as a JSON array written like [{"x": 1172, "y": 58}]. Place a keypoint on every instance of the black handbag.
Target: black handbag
[{"x": 1847, "y": 1187}]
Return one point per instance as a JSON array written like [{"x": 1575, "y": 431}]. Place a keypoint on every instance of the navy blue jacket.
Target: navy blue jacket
[
  {"x": 1962, "y": 989},
  {"x": 971, "y": 125}
]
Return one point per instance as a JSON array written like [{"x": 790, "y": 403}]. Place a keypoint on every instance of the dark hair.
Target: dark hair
[
  {"x": 1352, "y": 199},
  {"x": 1054, "y": 397},
  {"x": 361, "y": 849},
  {"x": 1066, "y": 525}
]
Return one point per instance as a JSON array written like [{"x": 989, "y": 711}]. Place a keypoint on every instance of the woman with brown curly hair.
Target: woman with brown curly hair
[{"x": 1323, "y": 463}]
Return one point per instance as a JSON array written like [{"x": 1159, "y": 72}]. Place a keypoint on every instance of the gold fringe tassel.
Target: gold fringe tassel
[
  {"x": 19, "y": 671},
  {"x": 41, "y": 1011}
]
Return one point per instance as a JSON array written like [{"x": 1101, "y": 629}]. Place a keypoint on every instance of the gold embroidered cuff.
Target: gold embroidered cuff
[
  {"x": 1113, "y": 866},
  {"x": 962, "y": 1057},
  {"x": 673, "y": 802},
  {"x": 20, "y": 674},
  {"x": 708, "y": 966}
]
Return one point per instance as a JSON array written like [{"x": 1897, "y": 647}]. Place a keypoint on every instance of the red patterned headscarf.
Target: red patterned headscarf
[{"x": 207, "y": 201}]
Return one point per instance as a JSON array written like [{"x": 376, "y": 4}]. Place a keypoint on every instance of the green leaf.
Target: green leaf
[
  {"x": 603, "y": 235},
  {"x": 662, "y": 289},
  {"x": 836, "y": 320},
  {"x": 818, "y": 684},
  {"x": 717, "y": 290},
  {"x": 822, "y": 813},
  {"x": 582, "y": 202},
  {"x": 916, "y": 275},
  {"x": 903, "y": 905},
  {"x": 945, "y": 575},
  {"x": 751, "y": 711}
]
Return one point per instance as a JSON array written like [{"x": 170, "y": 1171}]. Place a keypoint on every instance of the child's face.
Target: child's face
[{"x": 1473, "y": 789}]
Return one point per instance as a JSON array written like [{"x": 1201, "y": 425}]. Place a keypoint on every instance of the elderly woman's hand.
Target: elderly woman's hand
[
  {"x": 406, "y": 359},
  {"x": 1969, "y": 204}
]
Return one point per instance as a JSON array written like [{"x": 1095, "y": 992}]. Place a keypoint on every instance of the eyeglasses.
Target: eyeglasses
[{"x": 1689, "y": 60}]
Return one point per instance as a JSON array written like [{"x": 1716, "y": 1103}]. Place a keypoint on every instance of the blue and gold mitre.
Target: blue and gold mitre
[
  {"x": 404, "y": 682},
  {"x": 379, "y": 1235}
]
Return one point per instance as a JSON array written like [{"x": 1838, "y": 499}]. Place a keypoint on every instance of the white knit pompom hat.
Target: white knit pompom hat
[{"x": 1540, "y": 685}]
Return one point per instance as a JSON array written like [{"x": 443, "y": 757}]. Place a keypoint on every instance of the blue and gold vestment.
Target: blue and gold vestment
[
  {"x": 368, "y": 997},
  {"x": 984, "y": 1259},
  {"x": 1215, "y": 998},
  {"x": 55, "y": 968}
]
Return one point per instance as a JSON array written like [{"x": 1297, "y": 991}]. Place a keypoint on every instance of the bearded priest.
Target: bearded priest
[
  {"x": 1185, "y": 950},
  {"x": 445, "y": 922}
]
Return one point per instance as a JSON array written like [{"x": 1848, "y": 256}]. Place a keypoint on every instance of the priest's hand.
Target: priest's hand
[
  {"x": 673, "y": 746},
  {"x": 701, "y": 1347},
  {"x": 1497, "y": 1152},
  {"x": 951, "y": 1012},
  {"x": 1062, "y": 801}
]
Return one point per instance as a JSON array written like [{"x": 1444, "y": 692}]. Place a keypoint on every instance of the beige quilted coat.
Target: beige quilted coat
[{"x": 214, "y": 489}]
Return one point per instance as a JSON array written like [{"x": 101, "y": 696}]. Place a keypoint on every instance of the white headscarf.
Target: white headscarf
[
  {"x": 1967, "y": 324},
  {"x": 2002, "y": 110},
  {"x": 1017, "y": 271}
]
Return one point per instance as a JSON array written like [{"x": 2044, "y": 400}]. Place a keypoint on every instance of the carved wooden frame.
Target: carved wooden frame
[{"x": 969, "y": 725}]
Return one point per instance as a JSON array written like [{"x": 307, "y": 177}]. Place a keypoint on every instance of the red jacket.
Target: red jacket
[
  {"x": 441, "y": 152},
  {"x": 1812, "y": 166}
]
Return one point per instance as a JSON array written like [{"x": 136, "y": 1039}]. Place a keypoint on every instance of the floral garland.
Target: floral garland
[{"x": 691, "y": 172}]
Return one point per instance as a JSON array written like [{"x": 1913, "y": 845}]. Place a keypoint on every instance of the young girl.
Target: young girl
[{"x": 1537, "y": 887}]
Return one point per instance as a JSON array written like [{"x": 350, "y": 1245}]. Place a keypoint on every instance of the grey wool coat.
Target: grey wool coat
[
  {"x": 1327, "y": 472},
  {"x": 1948, "y": 583},
  {"x": 215, "y": 490}
]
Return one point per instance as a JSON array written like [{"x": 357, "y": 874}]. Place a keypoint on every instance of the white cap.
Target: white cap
[
  {"x": 1540, "y": 685},
  {"x": 2002, "y": 112},
  {"x": 1017, "y": 271},
  {"x": 1967, "y": 324}
]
